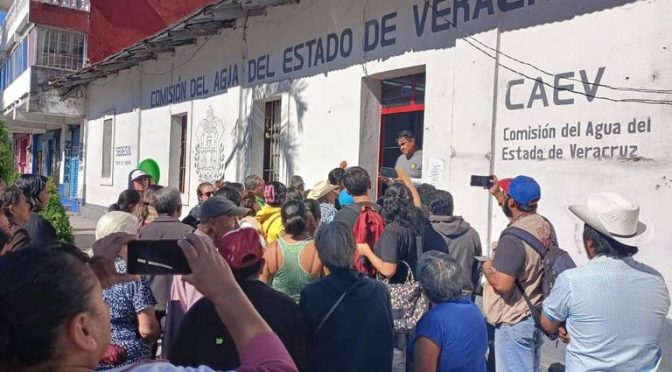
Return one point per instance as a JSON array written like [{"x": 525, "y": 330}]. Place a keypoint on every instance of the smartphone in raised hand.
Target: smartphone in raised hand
[
  {"x": 481, "y": 181},
  {"x": 156, "y": 257}
]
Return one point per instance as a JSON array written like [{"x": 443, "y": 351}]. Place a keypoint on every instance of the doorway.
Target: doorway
[{"x": 403, "y": 108}]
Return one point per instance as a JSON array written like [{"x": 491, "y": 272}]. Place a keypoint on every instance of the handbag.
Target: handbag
[{"x": 408, "y": 301}]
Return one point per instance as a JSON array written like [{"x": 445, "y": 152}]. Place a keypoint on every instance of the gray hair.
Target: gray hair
[
  {"x": 167, "y": 200},
  {"x": 295, "y": 181},
  {"x": 252, "y": 182},
  {"x": 335, "y": 245},
  {"x": 117, "y": 221},
  {"x": 440, "y": 276}
]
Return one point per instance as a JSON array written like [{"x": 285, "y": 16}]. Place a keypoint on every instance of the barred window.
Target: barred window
[{"x": 60, "y": 49}]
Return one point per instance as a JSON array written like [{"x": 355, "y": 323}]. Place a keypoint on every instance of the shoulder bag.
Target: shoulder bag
[{"x": 409, "y": 303}]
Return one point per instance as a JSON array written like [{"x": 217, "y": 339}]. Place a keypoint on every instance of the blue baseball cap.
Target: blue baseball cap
[{"x": 524, "y": 190}]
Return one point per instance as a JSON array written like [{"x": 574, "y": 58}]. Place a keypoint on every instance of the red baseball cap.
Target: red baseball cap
[
  {"x": 505, "y": 183},
  {"x": 241, "y": 248}
]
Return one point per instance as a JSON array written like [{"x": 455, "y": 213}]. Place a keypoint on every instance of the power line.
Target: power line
[
  {"x": 207, "y": 38},
  {"x": 471, "y": 41}
]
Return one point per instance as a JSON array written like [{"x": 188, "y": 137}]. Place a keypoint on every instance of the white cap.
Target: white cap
[{"x": 139, "y": 173}]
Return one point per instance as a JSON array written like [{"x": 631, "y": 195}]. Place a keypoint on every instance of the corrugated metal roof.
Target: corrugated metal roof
[{"x": 206, "y": 21}]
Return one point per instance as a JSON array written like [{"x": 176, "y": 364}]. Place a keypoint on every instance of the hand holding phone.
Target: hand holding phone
[
  {"x": 388, "y": 172},
  {"x": 156, "y": 257},
  {"x": 485, "y": 182}
]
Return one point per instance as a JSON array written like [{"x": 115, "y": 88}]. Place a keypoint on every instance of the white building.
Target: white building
[{"x": 575, "y": 93}]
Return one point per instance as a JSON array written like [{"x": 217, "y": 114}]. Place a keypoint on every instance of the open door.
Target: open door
[{"x": 403, "y": 108}]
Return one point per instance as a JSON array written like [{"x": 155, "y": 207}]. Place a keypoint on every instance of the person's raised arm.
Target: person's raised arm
[
  {"x": 496, "y": 190},
  {"x": 406, "y": 180}
]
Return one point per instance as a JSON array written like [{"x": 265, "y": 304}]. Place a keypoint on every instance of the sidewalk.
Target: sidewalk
[{"x": 84, "y": 231}]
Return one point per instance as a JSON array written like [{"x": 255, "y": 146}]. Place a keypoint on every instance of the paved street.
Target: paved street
[{"x": 84, "y": 230}]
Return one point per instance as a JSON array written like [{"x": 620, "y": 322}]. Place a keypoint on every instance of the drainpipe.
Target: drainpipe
[
  {"x": 137, "y": 148},
  {"x": 84, "y": 151},
  {"x": 493, "y": 137}
]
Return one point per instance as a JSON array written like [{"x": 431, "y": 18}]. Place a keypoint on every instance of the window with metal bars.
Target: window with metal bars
[
  {"x": 272, "y": 129},
  {"x": 82, "y": 5},
  {"x": 178, "y": 159},
  {"x": 183, "y": 155},
  {"x": 60, "y": 49}
]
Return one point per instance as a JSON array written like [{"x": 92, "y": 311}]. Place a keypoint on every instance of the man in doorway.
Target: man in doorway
[
  {"x": 256, "y": 184},
  {"x": 410, "y": 159},
  {"x": 614, "y": 306}
]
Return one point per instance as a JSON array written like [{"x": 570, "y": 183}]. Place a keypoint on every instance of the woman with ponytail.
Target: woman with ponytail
[
  {"x": 269, "y": 216},
  {"x": 291, "y": 262}
]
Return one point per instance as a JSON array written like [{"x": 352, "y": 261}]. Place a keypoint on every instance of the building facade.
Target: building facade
[
  {"x": 41, "y": 41},
  {"x": 574, "y": 93}
]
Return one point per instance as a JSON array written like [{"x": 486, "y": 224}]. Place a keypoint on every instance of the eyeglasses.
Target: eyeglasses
[{"x": 209, "y": 194}]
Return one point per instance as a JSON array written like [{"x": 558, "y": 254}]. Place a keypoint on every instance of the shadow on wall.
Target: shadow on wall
[{"x": 250, "y": 132}]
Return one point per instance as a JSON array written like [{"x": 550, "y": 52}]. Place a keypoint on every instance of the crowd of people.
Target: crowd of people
[{"x": 287, "y": 277}]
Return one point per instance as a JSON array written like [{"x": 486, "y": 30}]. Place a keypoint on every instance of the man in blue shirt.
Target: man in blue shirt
[{"x": 614, "y": 306}]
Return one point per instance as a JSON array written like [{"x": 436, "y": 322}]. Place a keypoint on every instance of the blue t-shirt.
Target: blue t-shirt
[
  {"x": 458, "y": 328},
  {"x": 345, "y": 199}
]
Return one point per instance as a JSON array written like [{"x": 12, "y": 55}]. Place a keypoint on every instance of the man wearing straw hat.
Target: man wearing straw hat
[
  {"x": 614, "y": 306},
  {"x": 325, "y": 194}
]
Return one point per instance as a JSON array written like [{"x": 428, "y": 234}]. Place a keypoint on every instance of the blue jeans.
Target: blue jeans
[{"x": 518, "y": 347}]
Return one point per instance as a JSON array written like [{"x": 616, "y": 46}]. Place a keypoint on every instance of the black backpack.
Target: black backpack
[{"x": 554, "y": 260}]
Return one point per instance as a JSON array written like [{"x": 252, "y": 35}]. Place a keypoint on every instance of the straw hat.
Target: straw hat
[
  {"x": 613, "y": 216},
  {"x": 321, "y": 189}
]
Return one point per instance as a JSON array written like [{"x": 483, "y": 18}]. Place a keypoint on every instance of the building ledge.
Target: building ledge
[{"x": 209, "y": 20}]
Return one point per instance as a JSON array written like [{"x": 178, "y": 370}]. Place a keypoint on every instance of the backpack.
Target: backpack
[
  {"x": 368, "y": 228},
  {"x": 554, "y": 260}
]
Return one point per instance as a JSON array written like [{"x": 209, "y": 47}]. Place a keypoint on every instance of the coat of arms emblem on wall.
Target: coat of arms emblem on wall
[{"x": 210, "y": 158}]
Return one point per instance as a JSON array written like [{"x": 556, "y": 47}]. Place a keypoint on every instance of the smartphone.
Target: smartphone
[
  {"x": 482, "y": 258},
  {"x": 481, "y": 181},
  {"x": 388, "y": 172},
  {"x": 156, "y": 257}
]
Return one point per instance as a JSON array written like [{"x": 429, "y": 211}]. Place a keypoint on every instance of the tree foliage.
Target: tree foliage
[
  {"x": 55, "y": 213},
  {"x": 7, "y": 172}
]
